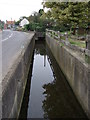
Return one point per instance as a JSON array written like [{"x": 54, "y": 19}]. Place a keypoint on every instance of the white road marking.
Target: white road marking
[{"x": 7, "y": 37}]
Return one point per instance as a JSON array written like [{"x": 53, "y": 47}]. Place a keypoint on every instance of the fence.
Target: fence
[{"x": 64, "y": 38}]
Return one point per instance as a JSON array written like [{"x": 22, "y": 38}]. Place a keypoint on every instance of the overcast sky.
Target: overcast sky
[{"x": 17, "y": 8}]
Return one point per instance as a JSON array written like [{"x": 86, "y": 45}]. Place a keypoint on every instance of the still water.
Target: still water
[{"x": 48, "y": 94}]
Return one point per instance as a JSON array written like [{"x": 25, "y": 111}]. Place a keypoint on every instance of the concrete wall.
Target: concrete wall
[
  {"x": 12, "y": 94},
  {"x": 39, "y": 35},
  {"x": 76, "y": 70}
]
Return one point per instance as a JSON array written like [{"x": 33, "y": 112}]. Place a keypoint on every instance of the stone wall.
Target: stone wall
[
  {"x": 12, "y": 93},
  {"x": 76, "y": 70}
]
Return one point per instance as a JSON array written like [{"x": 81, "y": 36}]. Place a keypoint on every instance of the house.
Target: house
[
  {"x": 10, "y": 24},
  {"x": 23, "y": 22},
  {"x": 5, "y": 26}
]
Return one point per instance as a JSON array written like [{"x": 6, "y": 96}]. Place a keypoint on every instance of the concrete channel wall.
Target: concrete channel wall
[
  {"x": 13, "y": 92},
  {"x": 76, "y": 70}
]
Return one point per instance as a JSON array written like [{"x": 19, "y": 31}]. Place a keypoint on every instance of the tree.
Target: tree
[
  {"x": 17, "y": 22},
  {"x": 69, "y": 14},
  {"x": 78, "y": 15},
  {"x": 41, "y": 11},
  {"x": 1, "y": 24},
  {"x": 38, "y": 21}
]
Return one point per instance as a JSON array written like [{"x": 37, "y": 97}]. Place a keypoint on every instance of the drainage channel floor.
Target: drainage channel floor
[{"x": 47, "y": 94}]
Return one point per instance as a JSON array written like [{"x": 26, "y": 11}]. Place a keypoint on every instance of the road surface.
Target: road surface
[{"x": 12, "y": 43}]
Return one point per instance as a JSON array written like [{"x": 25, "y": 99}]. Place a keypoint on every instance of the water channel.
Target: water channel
[{"x": 48, "y": 94}]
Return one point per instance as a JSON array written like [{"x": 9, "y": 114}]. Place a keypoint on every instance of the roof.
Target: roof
[{"x": 10, "y": 22}]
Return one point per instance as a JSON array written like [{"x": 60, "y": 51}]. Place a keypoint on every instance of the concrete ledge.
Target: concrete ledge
[
  {"x": 13, "y": 85},
  {"x": 87, "y": 52},
  {"x": 76, "y": 70}
]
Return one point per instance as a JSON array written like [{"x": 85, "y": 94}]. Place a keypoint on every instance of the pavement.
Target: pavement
[{"x": 13, "y": 42}]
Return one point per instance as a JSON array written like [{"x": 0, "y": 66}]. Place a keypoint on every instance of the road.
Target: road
[{"x": 12, "y": 43}]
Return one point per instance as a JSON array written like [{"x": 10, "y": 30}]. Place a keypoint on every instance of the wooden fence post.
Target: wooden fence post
[
  {"x": 66, "y": 36},
  {"x": 59, "y": 35},
  {"x": 88, "y": 42}
]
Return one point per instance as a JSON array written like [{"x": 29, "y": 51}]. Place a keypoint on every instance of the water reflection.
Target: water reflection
[
  {"x": 50, "y": 95},
  {"x": 40, "y": 48},
  {"x": 60, "y": 101},
  {"x": 24, "y": 107},
  {"x": 42, "y": 74}
]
